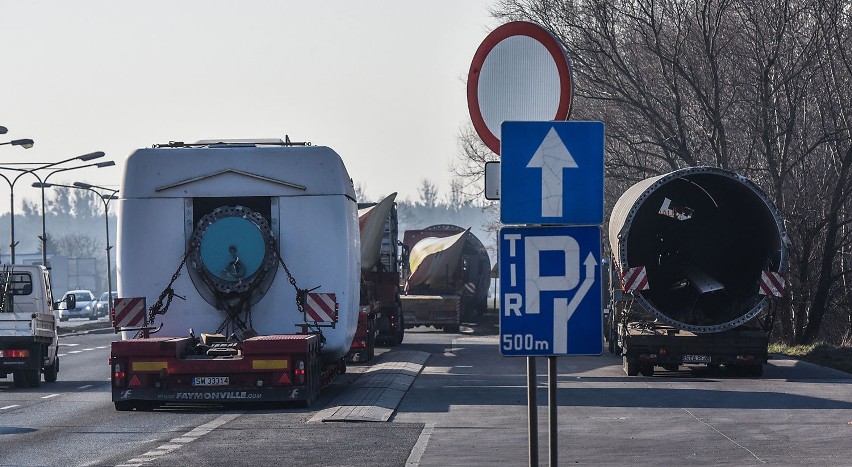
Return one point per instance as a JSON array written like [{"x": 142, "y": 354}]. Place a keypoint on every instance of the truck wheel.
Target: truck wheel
[
  {"x": 755, "y": 370},
  {"x": 124, "y": 406},
  {"x": 646, "y": 369},
  {"x": 33, "y": 378},
  {"x": 631, "y": 367},
  {"x": 20, "y": 378},
  {"x": 51, "y": 372},
  {"x": 371, "y": 339},
  {"x": 400, "y": 328}
]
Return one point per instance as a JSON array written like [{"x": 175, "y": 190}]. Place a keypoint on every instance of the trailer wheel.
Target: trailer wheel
[
  {"x": 20, "y": 378},
  {"x": 755, "y": 370},
  {"x": 631, "y": 367},
  {"x": 400, "y": 330},
  {"x": 51, "y": 372},
  {"x": 33, "y": 377},
  {"x": 124, "y": 406},
  {"x": 371, "y": 338},
  {"x": 647, "y": 369}
]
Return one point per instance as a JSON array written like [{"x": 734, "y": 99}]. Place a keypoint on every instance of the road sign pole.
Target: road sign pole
[
  {"x": 551, "y": 403},
  {"x": 532, "y": 408}
]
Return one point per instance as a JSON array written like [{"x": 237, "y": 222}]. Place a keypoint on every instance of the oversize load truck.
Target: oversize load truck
[
  {"x": 28, "y": 338},
  {"x": 698, "y": 255},
  {"x": 380, "y": 318},
  {"x": 447, "y": 272},
  {"x": 251, "y": 250}
]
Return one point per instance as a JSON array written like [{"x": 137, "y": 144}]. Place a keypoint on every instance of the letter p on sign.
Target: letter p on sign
[{"x": 559, "y": 277}]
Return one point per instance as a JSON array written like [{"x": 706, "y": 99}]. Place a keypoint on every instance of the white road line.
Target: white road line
[
  {"x": 726, "y": 436},
  {"x": 90, "y": 348},
  {"x": 102, "y": 347},
  {"x": 420, "y": 446},
  {"x": 62, "y": 344},
  {"x": 49, "y": 396},
  {"x": 85, "y": 387},
  {"x": 61, "y": 354},
  {"x": 75, "y": 351},
  {"x": 177, "y": 443},
  {"x": 8, "y": 407}
]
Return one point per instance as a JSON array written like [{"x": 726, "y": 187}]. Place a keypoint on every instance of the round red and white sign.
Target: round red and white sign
[{"x": 520, "y": 72}]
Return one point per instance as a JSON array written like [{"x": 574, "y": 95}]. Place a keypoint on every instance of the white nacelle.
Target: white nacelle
[{"x": 310, "y": 202}]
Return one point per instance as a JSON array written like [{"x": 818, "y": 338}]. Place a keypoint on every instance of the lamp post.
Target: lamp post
[
  {"x": 84, "y": 157},
  {"x": 105, "y": 198},
  {"x": 43, "y": 236}
]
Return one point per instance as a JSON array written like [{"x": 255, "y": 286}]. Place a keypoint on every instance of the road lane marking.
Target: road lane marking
[
  {"x": 75, "y": 351},
  {"x": 177, "y": 443},
  {"x": 49, "y": 396},
  {"x": 85, "y": 387},
  {"x": 726, "y": 436},
  {"x": 61, "y": 354},
  {"x": 420, "y": 446},
  {"x": 90, "y": 348},
  {"x": 9, "y": 407},
  {"x": 68, "y": 345},
  {"x": 102, "y": 347}
]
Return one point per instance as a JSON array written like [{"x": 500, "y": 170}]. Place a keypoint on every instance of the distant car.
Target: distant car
[
  {"x": 83, "y": 308},
  {"x": 101, "y": 305}
]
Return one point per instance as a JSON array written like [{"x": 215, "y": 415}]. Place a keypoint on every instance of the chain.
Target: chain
[
  {"x": 168, "y": 293},
  {"x": 301, "y": 294}
]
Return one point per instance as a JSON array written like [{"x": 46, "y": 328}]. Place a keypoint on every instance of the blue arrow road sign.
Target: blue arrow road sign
[
  {"x": 550, "y": 291},
  {"x": 552, "y": 173}
]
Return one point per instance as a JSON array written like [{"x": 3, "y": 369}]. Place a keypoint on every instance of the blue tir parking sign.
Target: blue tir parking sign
[
  {"x": 552, "y": 173},
  {"x": 550, "y": 291}
]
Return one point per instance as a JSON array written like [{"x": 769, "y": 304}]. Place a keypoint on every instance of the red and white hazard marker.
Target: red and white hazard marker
[
  {"x": 321, "y": 308},
  {"x": 128, "y": 312},
  {"x": 772, "y": 284},
  {"x": 635, "y": 279}
]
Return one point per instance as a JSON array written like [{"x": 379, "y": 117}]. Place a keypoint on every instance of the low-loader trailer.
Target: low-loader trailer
[{"x": 238, "y": 273}]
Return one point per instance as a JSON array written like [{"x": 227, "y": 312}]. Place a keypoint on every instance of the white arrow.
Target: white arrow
[
  {"x": 562, "y": 310},
  {"x": 551, "y": 157}
]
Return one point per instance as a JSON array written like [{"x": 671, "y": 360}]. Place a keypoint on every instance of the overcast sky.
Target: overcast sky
[{"x": 381, "y": 82}]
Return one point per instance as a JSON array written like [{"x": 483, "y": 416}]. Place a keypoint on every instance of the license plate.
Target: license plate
[
  {"x": 696, "y": 359},
  {"x": 210, "y": 381}
]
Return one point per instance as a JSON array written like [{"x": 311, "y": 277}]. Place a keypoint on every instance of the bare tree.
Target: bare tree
[
  {"x": 428, "y": 194},
  {"x": 78, "y": 246},
  {"x": 360, "y": 193},
  {"x": 469, "y": 166},
  {"x": 760, "y": 87}
]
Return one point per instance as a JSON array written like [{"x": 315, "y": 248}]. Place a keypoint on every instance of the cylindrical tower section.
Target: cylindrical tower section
[{"x": 704, "y": 235}]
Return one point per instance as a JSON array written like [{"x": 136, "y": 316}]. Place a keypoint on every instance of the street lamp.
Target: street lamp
[
  {"x": 105, "y": 198},
  {"x": 84, "y": 157},
  {"x": 24, "y": 143},
  {"x": 43, "y": 236}
]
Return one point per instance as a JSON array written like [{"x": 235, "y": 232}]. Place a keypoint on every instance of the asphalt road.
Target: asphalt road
[{"x": 467, "y": 407}]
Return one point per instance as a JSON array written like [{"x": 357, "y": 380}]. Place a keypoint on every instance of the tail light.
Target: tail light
[
  {"x": 15, "y": 353},
  {"x": 118, "y": 376},
  {"x": 299, "y": 372}
]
